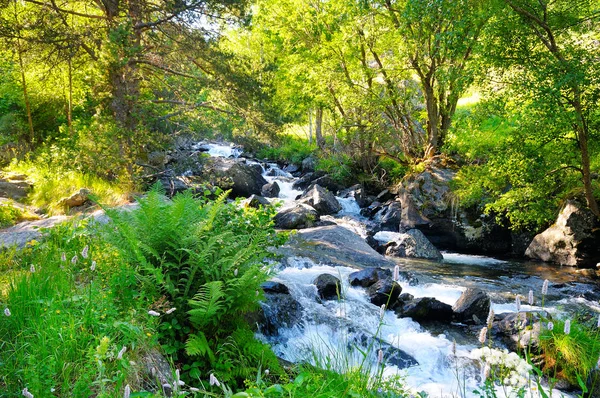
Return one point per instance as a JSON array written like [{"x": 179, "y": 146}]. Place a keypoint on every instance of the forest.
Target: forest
[{"x": 106, "y": 98}]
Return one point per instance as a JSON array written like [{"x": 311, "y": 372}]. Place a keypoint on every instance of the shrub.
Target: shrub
[
  {"x": 206, "y": 261},
  {"x": 291, "y": 150}
]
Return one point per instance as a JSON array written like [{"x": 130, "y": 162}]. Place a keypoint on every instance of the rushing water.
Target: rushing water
[{"x": 335, "y": 331}]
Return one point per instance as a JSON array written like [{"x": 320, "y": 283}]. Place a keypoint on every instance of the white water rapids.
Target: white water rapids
[{"x": 334, "y": 331}]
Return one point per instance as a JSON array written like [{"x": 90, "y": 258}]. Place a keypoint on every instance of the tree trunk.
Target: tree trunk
[
  {"x": 433, "y": 125},
  {"x": 70, "y": 104},
  {"x": 310, "y": 127},
  {"x": 23, "y": 79},
  {"x": 582, "y": 140},
  {"x": 318, "y": 128}
]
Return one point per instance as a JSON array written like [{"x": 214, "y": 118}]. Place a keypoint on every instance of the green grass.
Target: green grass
[
  {"x": 50, "y": 184},
  {"x": 291, "y": 149},
  {"x": 66, "y": 322}
]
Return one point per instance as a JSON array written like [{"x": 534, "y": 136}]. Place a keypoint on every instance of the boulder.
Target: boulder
[
  {"x": 572, "y": 240},
  {"x": 369, "y": 276},
  {"x": 278, "y": 310},
  {"x": 389, "y": 217},
  {"x": 14, "y": 189},
  {"x": 291, "y": 168},
  {"x": 309, "y": 164},
  {"x": 77, "y": 199},
  {"x": 323, "y": 201},
  {"x": 174, "y": 184},
  {"x": 270, "y": 190},
  {"x": 326, "y": 182},
  {"x": 297, "y": 217},
  {"x": 18, "y": 235},
  {"x": 303, "y": 182},
  {"x": 426, "y": 309},
  {"x": 473, "y": 306},
  {"x": 235, "y": 174},
  {"x": 391, "y": 355},
  {"x": 158, "y": 372},
  {"x": 257, "y": 201},
  {"x": 384, "y": 291},
  {"x": 333, "y": 245},
  {"x": 358, "y": 193},
  {"x": 384, "y": 196},
  {"x": 274, "y": 287},
  {"x": 429, "y": 205},
  {"x": 328, "y": 287},
  {"x": 413, "y": 244},
  {"x": 518, "y": 330}
]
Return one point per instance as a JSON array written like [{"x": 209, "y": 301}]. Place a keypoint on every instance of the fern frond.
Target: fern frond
[
  {"x": 207, "y": 304},
  {"x": 198, "y": 345}
]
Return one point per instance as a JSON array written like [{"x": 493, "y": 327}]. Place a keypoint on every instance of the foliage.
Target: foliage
[
  {"x": 11, "y": 214},
  {"x": 290, "y": 149},
  {"x": 67, "y": 323},
  {"x": 570, "y": 356},
  {"x": 206, "y": 260},
  {"x": 53, "y": 181}
]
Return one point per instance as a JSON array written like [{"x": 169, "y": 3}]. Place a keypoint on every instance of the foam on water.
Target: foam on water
[
  {"x": 456, "y": 258},
  {"x": 222, "y": 150}
]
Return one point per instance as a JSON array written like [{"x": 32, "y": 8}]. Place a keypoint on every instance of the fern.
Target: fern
[{"x": 205, "y": 258}]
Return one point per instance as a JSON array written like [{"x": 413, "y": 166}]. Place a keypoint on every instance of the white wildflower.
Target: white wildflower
[
  {"x": 32, "y": 268},
  {"x": 213, "y": 381},
  {"x": 235, "y": 272},
  {"x": 490, "y": 318},
  {"x": 63, "y": 257},
  {"x": 93, "y": 266},
  {"x": 153, "y": 313},
  {"x": 550, "y": 326},
  {"x": 74, "y": 259},
  {"x": 7, "y": 312},
  {"x": 486, "y": 371},
  {"x": 380, "y": 356},
  {"x": 26, "y": 393},
  {"x": 180, "y": 383},
  {"x": 598, "y": 322},
  {"x": 84, "y": 252},
  {"x": 530, "y": 297},
  {"x": 545, "y": 287},
  {"x": 382, "y": 311},
  {"x": 194, "y": 389},
  {"x": 396, "y": 272},
  {"x": 121, "y": 352},
  {"x": 170, "y": 310},
  {"x": 267, "y": 372},
  {"x": 256, "y": 293},
  {"x": 567, "y": 329},
  {"x": 483, "y": 335},
  {"x": 127, "y": 391},
  {"x": 518, "y": 303}
]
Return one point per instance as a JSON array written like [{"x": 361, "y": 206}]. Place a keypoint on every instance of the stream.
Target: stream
[{"x": 333, "y": 330}]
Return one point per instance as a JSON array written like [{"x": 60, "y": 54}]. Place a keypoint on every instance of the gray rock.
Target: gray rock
[
  {"x": 326, "y": 182},
  {"x": 413, "y": 244},
  {"x": 323, "y": 201},
  {"x": 426, "y": 309},
  {"x": 333, "y": 245},
  {"x": 389, "y": 217},
  {"x": 77, "y": 199},
  {"x": 158, "y": 372},
  {"x": 257, "y": 201},
  {"x": 175, "y": 184},
  {"x": 518, "y": 330},
  {"x": 572, "y": 240},
  {"x": 20, "y": 234},
  {"x": 385, "y": 291},
  {"x": 358, "y": 193},
  {"x": 235, "y": 174},
  {"x": 14, "y": 189},
  {"x": 279, "y": 311},
  {"x": 270, "y": 190},
  {"x": 473, "y": 306},
  {"x": 275, "y": 287},
  {"x": 391, "y": 354},
  {"x": 300, "y": 216},
  {"x": 308, "y": 164},
  {"x": 303, "y": 182},
  {"x": 369, "y": 276},
  {"x": 328, "y": 287}
]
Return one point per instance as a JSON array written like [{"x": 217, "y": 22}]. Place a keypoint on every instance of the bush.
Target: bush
[
  {"x": 203, "y": 263},
  {"x": 290, "y": 150}
]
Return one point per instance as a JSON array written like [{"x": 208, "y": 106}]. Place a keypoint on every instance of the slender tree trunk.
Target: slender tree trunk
[
  {"x": 23, "y": 79},
  {"x": 318, "y": 128},
  {"x": 310, "y": 127},
  {"x": 433, "y": 125},
  {"x": 582, "y": 140},
  {"x": 70, "y": 102}
]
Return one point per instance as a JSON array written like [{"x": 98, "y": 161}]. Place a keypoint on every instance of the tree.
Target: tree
[
  {"x": 549, "y": 52},
  {"x": 439, "y": 39}
]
